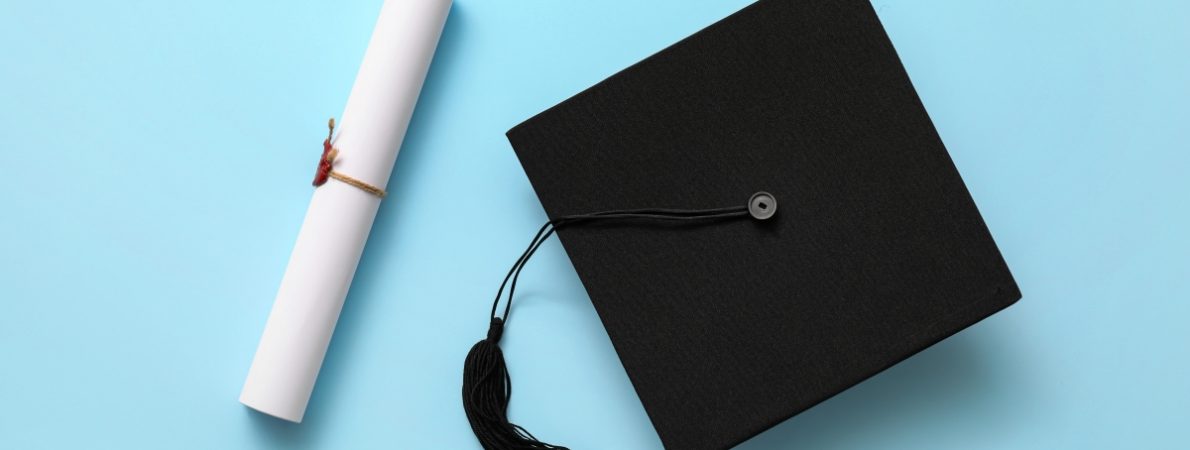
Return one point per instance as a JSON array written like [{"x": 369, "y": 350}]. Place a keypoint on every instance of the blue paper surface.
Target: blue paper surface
[{"x": 156, "y": 165}]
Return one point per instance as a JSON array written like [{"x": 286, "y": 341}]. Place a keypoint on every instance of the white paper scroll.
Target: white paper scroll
[{"x": 340, "y": 216}]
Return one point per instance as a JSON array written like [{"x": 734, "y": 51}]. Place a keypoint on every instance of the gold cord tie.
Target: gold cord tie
[{"x": 326, "y": 167}]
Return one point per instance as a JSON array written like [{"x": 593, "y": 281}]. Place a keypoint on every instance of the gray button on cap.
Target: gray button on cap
[{"x": 762, "y": 205}]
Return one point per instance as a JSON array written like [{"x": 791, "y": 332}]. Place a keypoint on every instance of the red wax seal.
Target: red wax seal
[{"x": 324, "y": 164}]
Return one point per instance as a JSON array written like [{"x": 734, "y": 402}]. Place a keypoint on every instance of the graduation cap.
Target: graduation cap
[{"x": 731, "y": 314}]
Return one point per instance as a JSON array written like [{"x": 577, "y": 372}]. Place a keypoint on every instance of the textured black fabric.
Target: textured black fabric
[{"x": 876, "y": 253}]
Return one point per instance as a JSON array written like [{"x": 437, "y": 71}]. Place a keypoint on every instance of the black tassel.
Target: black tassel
[
  {"x": 486, "y": 391},
  {"x": 486, "y": 385}
]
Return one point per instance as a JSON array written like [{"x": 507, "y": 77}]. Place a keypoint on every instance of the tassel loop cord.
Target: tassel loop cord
[
  {"x": 551, "y": 226},
  {"x": 487, "y": 386}
]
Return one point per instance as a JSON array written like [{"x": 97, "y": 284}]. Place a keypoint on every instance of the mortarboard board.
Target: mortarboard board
[{"x": 728, "y": 324}]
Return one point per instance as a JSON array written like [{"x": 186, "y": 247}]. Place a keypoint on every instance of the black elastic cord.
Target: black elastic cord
[
  {"x": 487, "y": 386},
  {"x": 553, "y": 225}
]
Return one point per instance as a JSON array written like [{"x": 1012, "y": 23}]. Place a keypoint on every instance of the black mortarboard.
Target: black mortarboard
[{"x": 728, "y": 324}]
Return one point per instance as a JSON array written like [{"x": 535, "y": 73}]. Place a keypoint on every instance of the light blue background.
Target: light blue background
[{"x": 155, "y": 167}]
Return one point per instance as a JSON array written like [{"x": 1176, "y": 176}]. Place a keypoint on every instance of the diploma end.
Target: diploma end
[{"x": 287, "y": 416}]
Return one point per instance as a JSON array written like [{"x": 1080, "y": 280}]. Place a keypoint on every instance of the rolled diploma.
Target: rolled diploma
[{"x": 340, "y": 216}]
